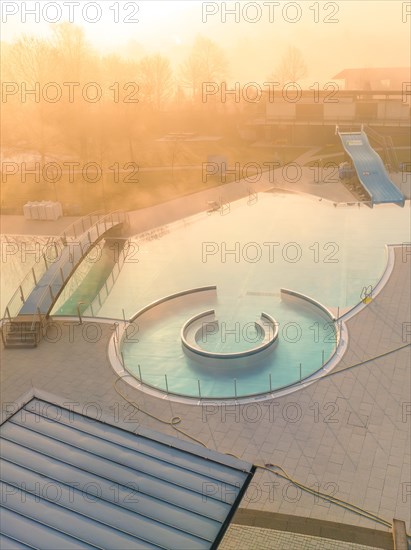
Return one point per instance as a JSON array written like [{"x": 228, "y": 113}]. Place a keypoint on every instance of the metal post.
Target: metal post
[
  {"x": 62, "y": 276},
  {"x": 300, "y": 372},
  {"x": 99, "y": 300},
  {"x": 51, "y": 293},
  {"x": 322, "y": 358},
  {"x": 78, "y": 312},
  {"x": 105, "y": 284},
  {"x": 89, "y": 238},
  {"x": 235, "y": 387},
  {"x": 338, "y": 313},
  {"x": 34, "y": 276},
  {"x": 8, "y": 313},
  {"x": 139, "y": 372},
  {"x": 271, "y": 388},
  {"x": 91, "y": 309},
  {"x": 45, "y": 261},
  {"x": 21, "y": 294},
  {"x": 74, "y": 230},
  {"x": 165, "y": 376},
  {"x": 124, "y": 316},
  {"x": 122, "y": 359},
  {"x": 41, "y": 321}
]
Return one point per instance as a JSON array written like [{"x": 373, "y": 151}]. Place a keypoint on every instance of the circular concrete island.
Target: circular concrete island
[{"x": 198, "y": 330}]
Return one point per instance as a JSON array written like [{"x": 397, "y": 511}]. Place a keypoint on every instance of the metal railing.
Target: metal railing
[
  {"x": 387, "y": 144},
  {"x": 112, "y": 219},
  {"x": 197, "y": 388},
  {"x": 97, "y": 222},
  {"x": 93, "y": 308}
]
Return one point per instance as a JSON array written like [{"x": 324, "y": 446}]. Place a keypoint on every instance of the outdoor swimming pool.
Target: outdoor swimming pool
[{"x": 283, "y": 240}]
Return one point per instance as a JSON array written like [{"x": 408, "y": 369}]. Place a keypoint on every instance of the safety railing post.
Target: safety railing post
[
  {"x": 40, "y": 320},
  {"x": 140, "y": 375},
  {"x": 79, "y": 313},
  {"x": 199, "y": 388},
  {"x": 21, "y": 294},
  {"x": 34, "y": 276},
  {"x": 165, "y": 376}
]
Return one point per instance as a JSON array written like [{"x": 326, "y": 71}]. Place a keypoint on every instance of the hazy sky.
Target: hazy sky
[{"x": 372, "y": 33}]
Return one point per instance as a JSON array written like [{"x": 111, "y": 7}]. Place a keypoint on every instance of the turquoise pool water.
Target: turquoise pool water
[
  {"x": 329, "y": 253},
  {"x": 284, "y": 240}
]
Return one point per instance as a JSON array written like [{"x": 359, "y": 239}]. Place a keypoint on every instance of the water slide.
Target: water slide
[{"x": 370, "y": 169}]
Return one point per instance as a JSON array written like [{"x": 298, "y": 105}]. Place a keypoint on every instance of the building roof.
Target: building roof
[
  {"x": 375, "y": 73},
  {"x": 69, "y": 481}
]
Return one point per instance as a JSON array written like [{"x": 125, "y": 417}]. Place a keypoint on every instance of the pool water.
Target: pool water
[{"x": 329, "y": 253}]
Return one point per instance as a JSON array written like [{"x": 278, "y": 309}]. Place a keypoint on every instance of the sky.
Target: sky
[{"x": 331, "y": 35}]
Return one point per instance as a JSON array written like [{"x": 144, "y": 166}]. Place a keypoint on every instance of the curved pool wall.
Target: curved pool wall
[
  {"x": 174, "y": 259},
  {"x": 116, "y": 359},
  {"x": 212, "y": 376},
  {"x": 194, "y": 328},
  {"x": 288, "y": 296}
]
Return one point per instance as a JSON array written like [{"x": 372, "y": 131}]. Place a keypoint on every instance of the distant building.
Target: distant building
[
  {"x": 390, "y": 78},
  {"x": 312, "y": 117}
]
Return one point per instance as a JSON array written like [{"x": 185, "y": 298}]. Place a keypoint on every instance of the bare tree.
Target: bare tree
[
  {"x": 29, "y": 62},
  {"x": 205, "y": 63},
  {"x": 291, "y": 68},
  {"x": 75, "y": 56},
  {"x": 156, "y": 80}
]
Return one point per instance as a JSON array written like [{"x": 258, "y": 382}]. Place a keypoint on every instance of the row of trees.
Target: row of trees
[{"x": 135, "y": 93}]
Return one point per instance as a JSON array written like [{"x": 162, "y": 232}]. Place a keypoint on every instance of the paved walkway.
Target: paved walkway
[
  {"x": 347, "y": 435},
  {"x": 295, "y": 179},
  {"x": 240, "y": 537}
]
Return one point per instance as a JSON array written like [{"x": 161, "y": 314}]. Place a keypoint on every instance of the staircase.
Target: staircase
[
  {"x": 388, "y": 147},
  {"x": 20, "y": 333},
  {"x": 392, "y": 154}
]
